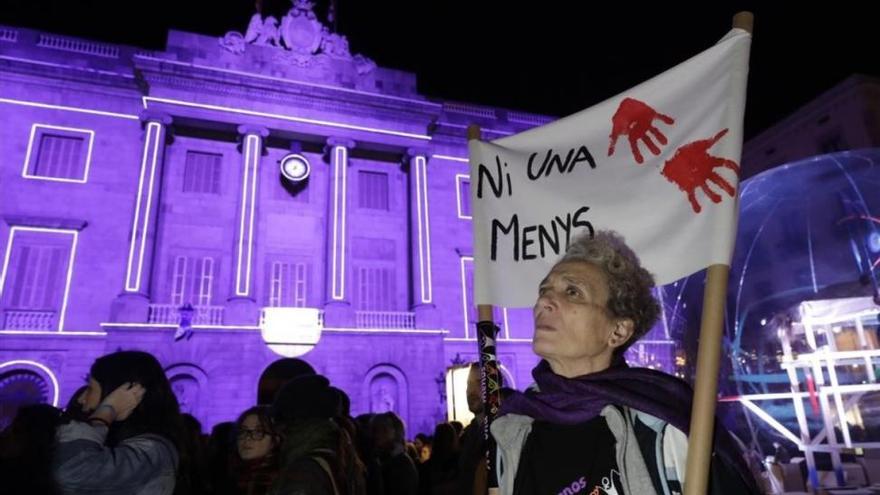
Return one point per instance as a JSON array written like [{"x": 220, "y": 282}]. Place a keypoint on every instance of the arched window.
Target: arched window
[{"x": 23, "y": 385}]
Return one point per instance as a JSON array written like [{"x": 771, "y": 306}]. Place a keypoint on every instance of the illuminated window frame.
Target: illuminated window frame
[
  {"x": 31, "y": 156},
  {"x": 459, "y": 178},
  {"x": 74, "y": 239}
]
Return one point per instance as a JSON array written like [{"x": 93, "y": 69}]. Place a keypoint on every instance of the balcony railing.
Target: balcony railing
[
  {"x": 169, "y": 314},
  {"x": 385, "y": 319},
  {"x": 28, "y": 319},
  {"x": 76, "y": 45}
]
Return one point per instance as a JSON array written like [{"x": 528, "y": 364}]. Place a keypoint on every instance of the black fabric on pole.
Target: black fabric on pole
[{"x": 490, "y": 389}]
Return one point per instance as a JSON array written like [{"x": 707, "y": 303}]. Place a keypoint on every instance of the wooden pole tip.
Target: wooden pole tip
[
  {"x": 744, "y": 20},
  {"x": 473, "y": 132}
]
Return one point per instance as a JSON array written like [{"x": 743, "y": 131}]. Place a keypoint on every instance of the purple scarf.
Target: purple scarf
[{"x": 570, "y": 401}]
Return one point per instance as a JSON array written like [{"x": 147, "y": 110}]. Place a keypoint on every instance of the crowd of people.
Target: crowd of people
[
  {"x": 590, "y": 424},
  {"x": 123, "y": 433}
]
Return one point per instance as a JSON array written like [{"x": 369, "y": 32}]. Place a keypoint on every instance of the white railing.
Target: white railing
[
  {"x": 474, "y": 110},
  {"x": 9, "y": 35},
  {"x": 78, "y": 46},
  {"x": 28, "y": 319},
  {"x": 528, "y": 118},
  {"x": 169, "y": 314},
  {"x": 385, "y": 319}
]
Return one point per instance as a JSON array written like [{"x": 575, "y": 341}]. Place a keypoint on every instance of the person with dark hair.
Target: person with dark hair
[
  {"x": 258, "y": 444},
  {"x": 222, "y": 458},
  {"x": 277, "y": 374},
  {"x": 317, "y": 456},
  {"x": 194, "y": 446},
  {"x": 473, "y": 441},
  {"x": 458, "y": 426},
  {"x": 399, "y": 474},
  {"x": 73, "y": 410},
  {"x": 26, "y": 449},
  {"x": 593, "y": 424},
  {"x": 422, "y": 443},
  {"x": 131, "y": 442},
  {"x": 437, "y": 476},
  {"x": 366, "y": 452}
]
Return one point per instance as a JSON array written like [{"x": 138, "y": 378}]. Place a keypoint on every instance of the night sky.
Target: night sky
[{"x": 546, "y": 57}]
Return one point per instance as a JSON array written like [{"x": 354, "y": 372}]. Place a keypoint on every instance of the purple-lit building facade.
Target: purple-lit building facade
[{"x": 135, "y": 184}]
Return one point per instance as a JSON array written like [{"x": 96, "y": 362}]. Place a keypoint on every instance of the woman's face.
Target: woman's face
[
  {"x": 253, "y": 441},
  {"x": 573, "y": 327},
  {"x": 91, "y": 397}
]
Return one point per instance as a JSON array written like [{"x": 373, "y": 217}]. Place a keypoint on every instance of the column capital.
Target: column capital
[
  {"x": 249, "y": 129},
  {"x": 155, "y": 116},
  {"x": 340, "y": 141},
  {"x": 416, "y": 151}
]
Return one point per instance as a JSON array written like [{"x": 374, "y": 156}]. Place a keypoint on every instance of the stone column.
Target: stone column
[
  {"x": 420, "y": 241},
  {"x": 338, "y": 311},
  {"x": 132, "y": 305},
  {"x": 241, "y": 306}
]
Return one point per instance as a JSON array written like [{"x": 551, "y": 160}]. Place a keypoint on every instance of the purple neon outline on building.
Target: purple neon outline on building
[
  {"x": 48, "y": 106},
  {"x": 340, "y": 159},
  {"x": 424, "y": 244},
  {"x": 451, "y": 158},
  {"x": 154, "y": 137},
  {"x": 25, "y": 172},
  {"x": 68, "y": 277},
  {"x": 248, "y": 205},
  {"x": 458, "y": 180},
  {"x": 289, "y": 118}
]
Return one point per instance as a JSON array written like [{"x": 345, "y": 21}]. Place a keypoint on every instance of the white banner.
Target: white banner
[{"x": 658, "y": 163}]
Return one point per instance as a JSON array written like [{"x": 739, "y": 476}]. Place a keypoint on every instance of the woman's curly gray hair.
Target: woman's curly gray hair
[{"x": 629, "y": 285}]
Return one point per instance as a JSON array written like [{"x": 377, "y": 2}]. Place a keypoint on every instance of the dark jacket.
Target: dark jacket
[{"x": 317, "y": 458}]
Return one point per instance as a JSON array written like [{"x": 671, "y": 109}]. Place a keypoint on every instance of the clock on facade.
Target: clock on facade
[{"x": 295, "y": 167}]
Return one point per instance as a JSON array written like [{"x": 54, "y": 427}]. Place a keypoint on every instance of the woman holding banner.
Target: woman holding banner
[{"x": 592, "y": 424}]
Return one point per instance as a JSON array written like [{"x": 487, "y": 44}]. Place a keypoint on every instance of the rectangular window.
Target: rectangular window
[
  {"x": 192, "y": 280},
  {"x": 35, "y": 278},
  {"x": 288, "y": 284},
  {"x": 375, "y": 289},
  {"x": 202, "y": 172},
  {"x": 58, "y": 153},
  {"x": 464, "y": 196},
  {"x": 373, "y": 190}
]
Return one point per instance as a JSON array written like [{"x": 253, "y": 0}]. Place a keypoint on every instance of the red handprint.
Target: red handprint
[
  {"x": 692, "y": 166},
  {"x": 636, "y": 119}
]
